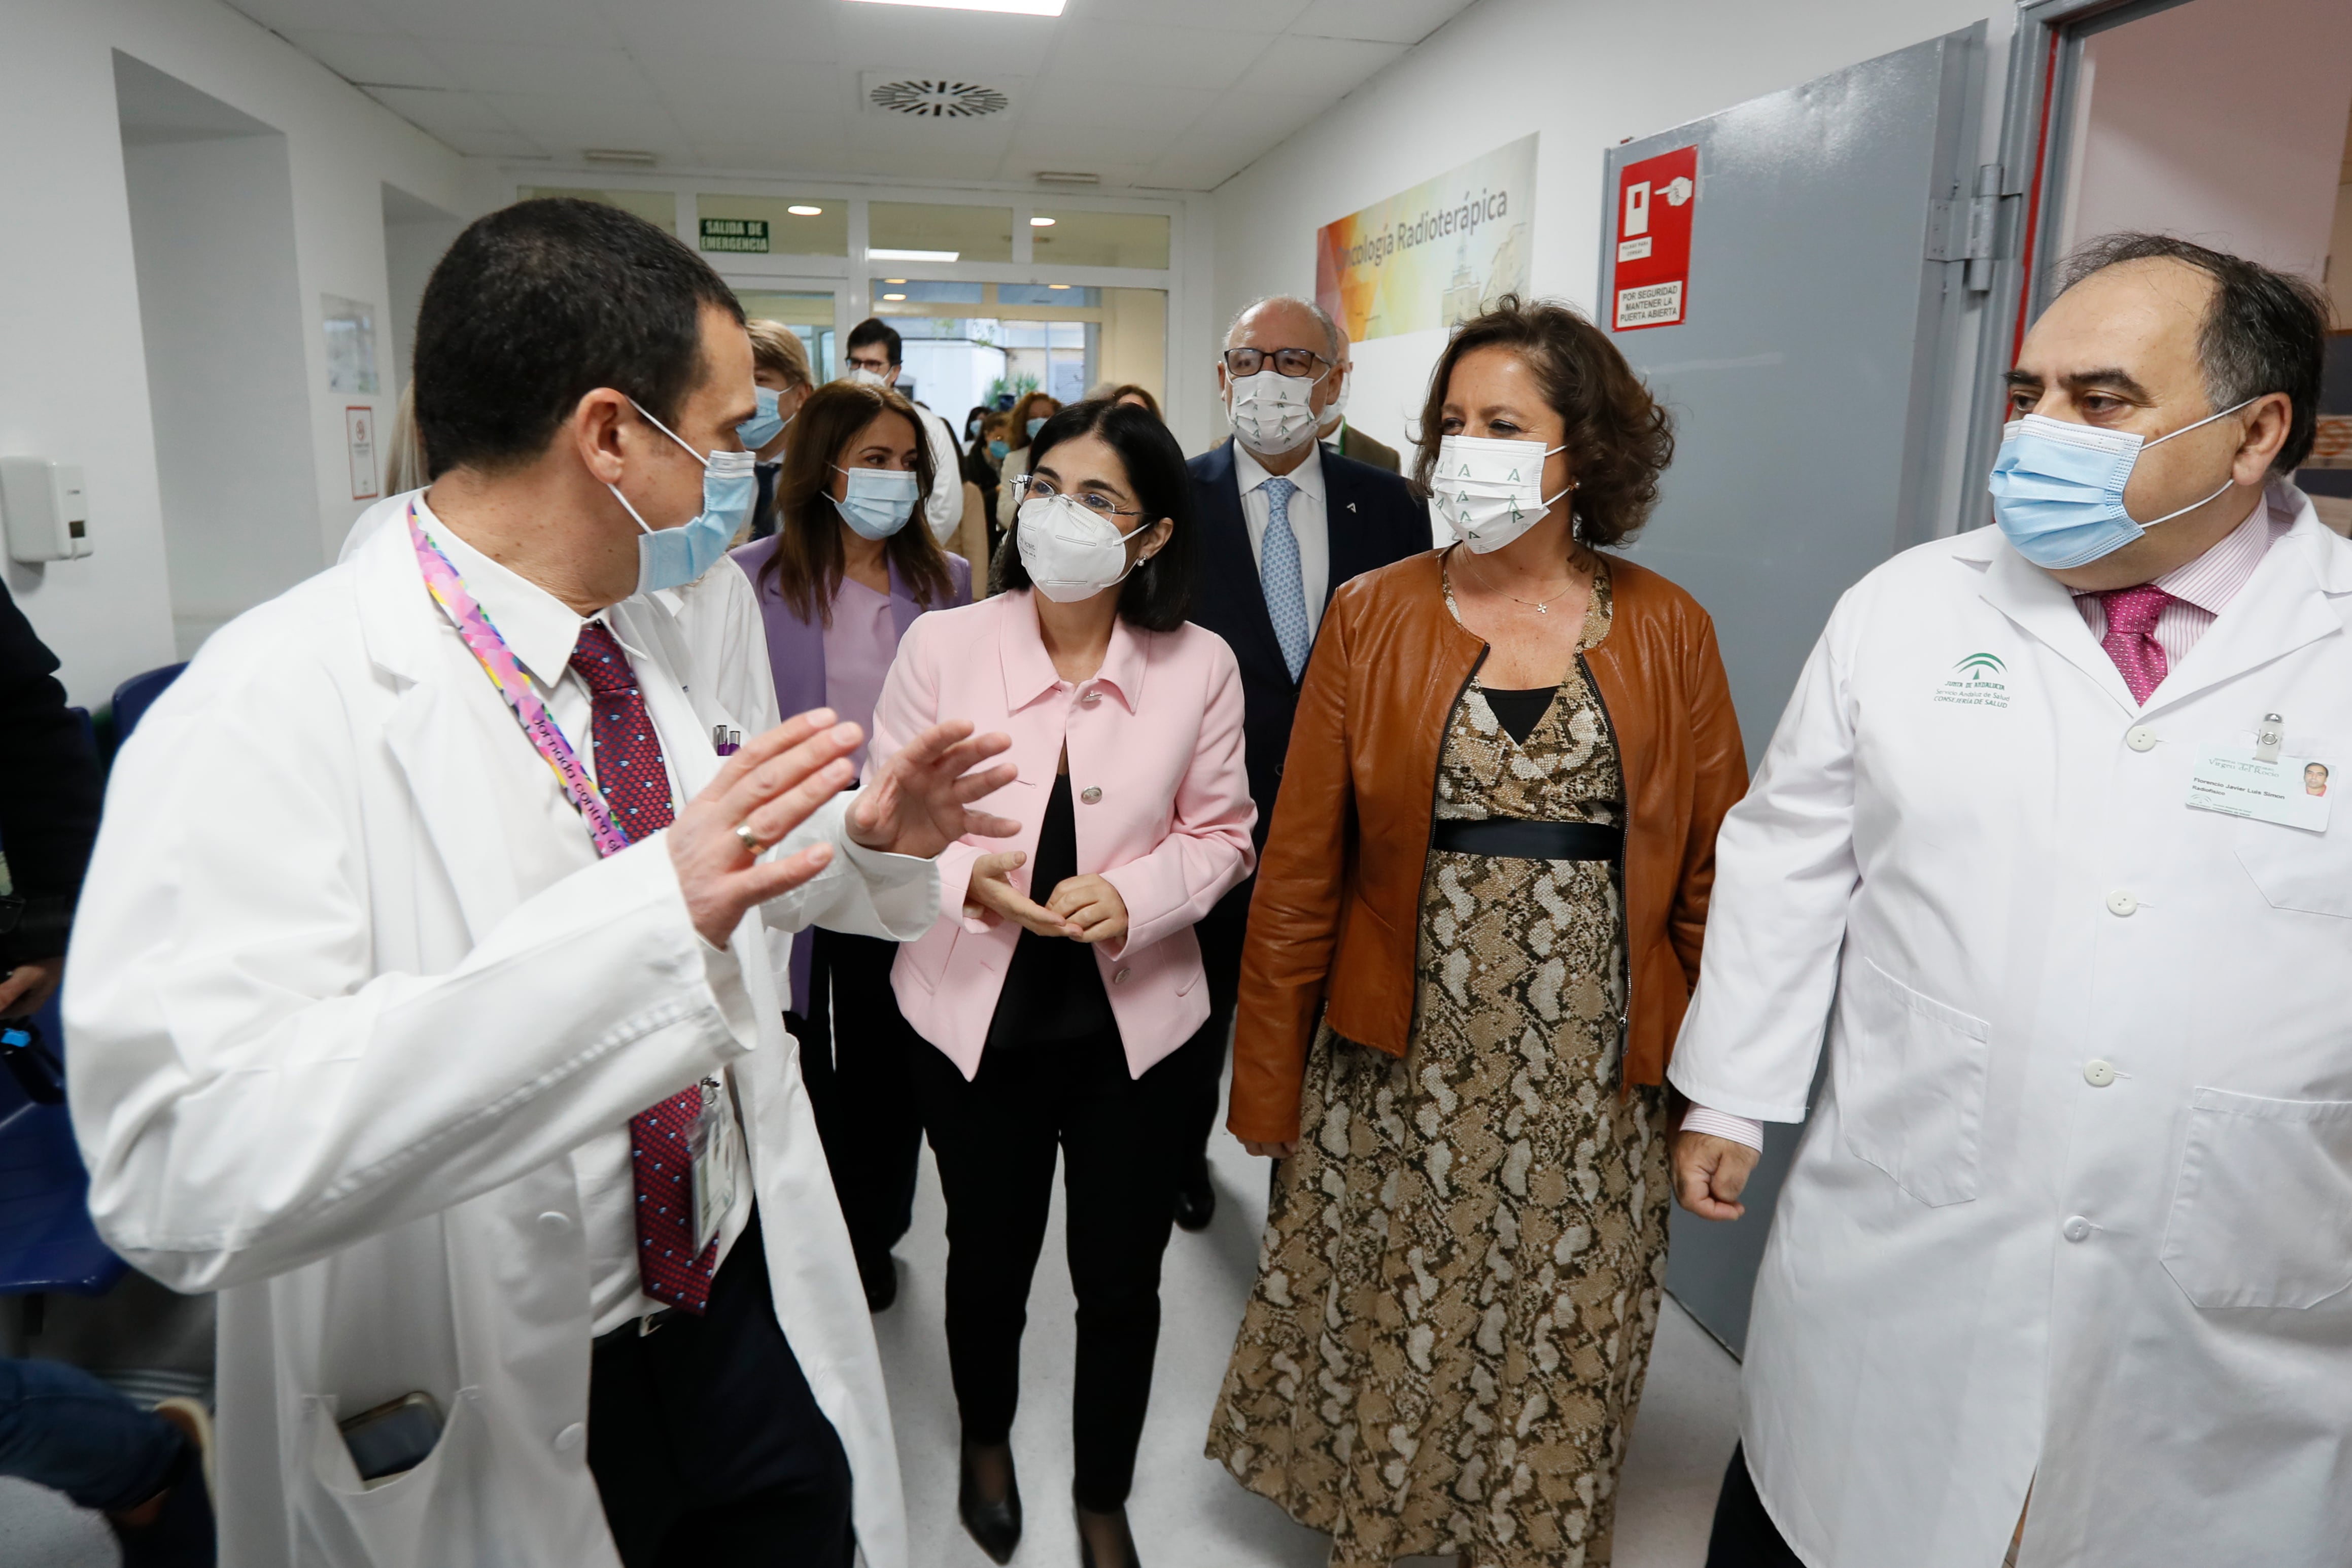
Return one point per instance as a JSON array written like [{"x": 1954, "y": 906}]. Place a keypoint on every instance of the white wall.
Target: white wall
[
  {"x": 2220, "y": 121},
  {"x": 73, "y": 381},
  {"x": 1585, "y": 74}
]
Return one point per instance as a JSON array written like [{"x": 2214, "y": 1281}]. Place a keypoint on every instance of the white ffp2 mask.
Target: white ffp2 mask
[
  {"x": 1270, "y": 411},
  {"x": 1490, "y": 492},
  {"x": 1071, "y": 552}
]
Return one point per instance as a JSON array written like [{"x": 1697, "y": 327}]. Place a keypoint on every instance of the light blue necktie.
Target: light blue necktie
[{"x": 1279, "y": 573}]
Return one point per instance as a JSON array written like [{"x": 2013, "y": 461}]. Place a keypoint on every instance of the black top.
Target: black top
[
  {"x": 49, "y": 789},
  {"x": 1521, "y": 711},
  {"x": 1053, "y": 991},
  {"x": 763, "y": 506}
]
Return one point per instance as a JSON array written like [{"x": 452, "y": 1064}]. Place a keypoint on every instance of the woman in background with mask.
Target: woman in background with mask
[
  {"x": 1453, "y": 1034},
  {"x": 836, "y": 587},
  {"x": 1064, "y": 974},
  {"x": 1030, "y": 413},
  {"x": 781, "y": 381}
]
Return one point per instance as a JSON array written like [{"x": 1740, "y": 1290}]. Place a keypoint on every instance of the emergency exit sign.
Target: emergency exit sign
[
  {"x": 736, "y": 234},
  {"x": 1655, "y": 198}
]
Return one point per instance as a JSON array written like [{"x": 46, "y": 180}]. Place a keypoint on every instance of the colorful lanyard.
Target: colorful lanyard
[{"x": 490, "y": 650}]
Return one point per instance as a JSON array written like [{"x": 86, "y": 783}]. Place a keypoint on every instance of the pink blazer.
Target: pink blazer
[{"x": 1161, "y": 801}]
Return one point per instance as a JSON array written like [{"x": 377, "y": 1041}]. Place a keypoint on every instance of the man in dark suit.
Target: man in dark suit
[{"x": 1284, "y": 521}]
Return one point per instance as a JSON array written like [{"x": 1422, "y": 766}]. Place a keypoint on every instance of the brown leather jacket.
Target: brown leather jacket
[{"x": 1334, "y": 922}]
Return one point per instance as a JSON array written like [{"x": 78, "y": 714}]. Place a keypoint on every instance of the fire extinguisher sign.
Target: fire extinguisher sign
[{"x": 1654, "y": 200}]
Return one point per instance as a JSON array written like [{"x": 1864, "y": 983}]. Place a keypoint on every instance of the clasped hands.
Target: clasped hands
[
  {"x": 1083, "y": 908},
  {"x": 918, "y": 802}
]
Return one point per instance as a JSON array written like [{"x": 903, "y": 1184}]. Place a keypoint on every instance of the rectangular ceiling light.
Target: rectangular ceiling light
[
  {"x": 881, "y": 254},
  {"x": 1010, "y": 8}
]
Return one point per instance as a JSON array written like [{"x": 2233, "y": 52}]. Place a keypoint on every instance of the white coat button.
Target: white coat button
[
  {"x": 2121, "y": 903},
  {"x": 1119, "y": 978},
  {"x": 2076, "y": 1229},
  {"x": 1090, "y": 794},
  {"x": 569, "y": 1440},
  {"x": 553, "y": 1223},
  {"x": 2140, "y": 737},
  {"x": 2098, "y": 1074}
]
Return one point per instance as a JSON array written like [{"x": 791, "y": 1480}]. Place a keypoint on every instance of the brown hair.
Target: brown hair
[
  {"x": 777, "y": 348},
  {"x": 1129, "y": 389},
  {"x": 1619, "y": 438},
  {"x": 809, "y": 560},
  {"x": 1018, "y": 432}
]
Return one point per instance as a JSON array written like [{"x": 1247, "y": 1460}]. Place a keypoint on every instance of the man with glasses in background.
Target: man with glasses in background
[{"x": 1283, "y": 522}]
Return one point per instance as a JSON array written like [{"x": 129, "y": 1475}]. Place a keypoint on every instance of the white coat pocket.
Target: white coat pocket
[
  {"x": 2261, "y": 1216},
  {"x": 1910, "y": 1075},
  {"x": 2296, "y": 870},
  {"x": 428, "y": 1517}
]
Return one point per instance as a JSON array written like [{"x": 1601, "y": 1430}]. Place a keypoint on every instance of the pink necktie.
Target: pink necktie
[
  {"x": 634, "y": 780},
  {"x": 2131, "y": 640}
]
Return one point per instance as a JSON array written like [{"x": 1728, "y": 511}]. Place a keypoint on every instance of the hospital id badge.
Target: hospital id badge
[
  {"x": 2237, "y": 782},
  {"x": 717, "y": 1146}
]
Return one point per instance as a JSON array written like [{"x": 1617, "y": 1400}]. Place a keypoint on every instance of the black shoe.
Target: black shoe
[
  {"x": 881, "y": 1283},
  {"x": 1087, "y": 1558},
  {"x": 995, "y": 1526},
  {"x": 1196, "y": 1198}
]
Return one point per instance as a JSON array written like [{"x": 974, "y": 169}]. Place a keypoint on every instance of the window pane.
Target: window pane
[
  {"x": 1102, "y": 239},
  {"x": 1057, "y": 294},
  {"x": 972, "y": 234},
  {"x": 654, "y": 206},
  {"x": 901, "y": 291},
  {"x": 767, "y": 225},
  {"x": 808, "y": 314}
]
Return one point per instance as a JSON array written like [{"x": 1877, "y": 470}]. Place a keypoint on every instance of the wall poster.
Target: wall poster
[
  {"x": 1434, "y": 254},
  {"x": 1655, "y": 198}
]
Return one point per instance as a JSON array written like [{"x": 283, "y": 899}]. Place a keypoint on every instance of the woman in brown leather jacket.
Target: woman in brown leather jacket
[{"x": 1475, "y": 928}]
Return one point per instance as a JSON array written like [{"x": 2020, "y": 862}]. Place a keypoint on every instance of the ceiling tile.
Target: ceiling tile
[
  {"x": 1387, "y": 21},
  {"x": 565, "y": 124},
  {"x": 1317, "y": 70},
  {"x": 488, "y": 67},
  {"x": 783, "y": 30},
  {"x": 289, "y": 16},
  {"x": 964, "y": 43},
  {"x": 1220, "y": 15},
  {"x": 441, "y": 112},
  {"x": 795, "y": 153},
  {"x": 729, "y": 84},
  {"x": 1088, "y": 148},
  {"x": 1093, "y": 105},
  {"x": 494, "y": 21},
  {"x": 496, "y": 144},
  {"x": 1177, "y": 57},
  {"x": 373, "y": 58}
]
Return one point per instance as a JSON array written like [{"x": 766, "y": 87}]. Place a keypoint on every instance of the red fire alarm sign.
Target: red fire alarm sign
[{"x": 1655, "y": 199}]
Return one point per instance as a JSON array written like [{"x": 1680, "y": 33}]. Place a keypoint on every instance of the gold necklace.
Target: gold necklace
[{"x": 1540, "y": 606}]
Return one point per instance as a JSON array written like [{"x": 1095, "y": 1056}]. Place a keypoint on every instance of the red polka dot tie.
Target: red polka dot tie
[
  {"x": 2131, "y": 640},
  {"x": 636, "y": 783}
]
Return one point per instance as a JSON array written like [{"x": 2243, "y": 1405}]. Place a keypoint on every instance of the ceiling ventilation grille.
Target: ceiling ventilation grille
[{"x": 932, "y": 99}]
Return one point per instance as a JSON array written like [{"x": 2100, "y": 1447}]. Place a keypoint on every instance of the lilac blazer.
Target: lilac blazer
[{"x": 796, "y": 656}]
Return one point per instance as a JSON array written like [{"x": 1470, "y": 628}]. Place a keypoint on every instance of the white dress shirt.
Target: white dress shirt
[
  {"x": 541, "y": 631},
  {"x": 2200, "y": 590},
  {"x": 1309, "y": 513}
]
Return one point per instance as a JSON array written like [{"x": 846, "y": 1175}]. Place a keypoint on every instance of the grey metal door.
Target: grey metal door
[{"x": 1817, "y": 327}]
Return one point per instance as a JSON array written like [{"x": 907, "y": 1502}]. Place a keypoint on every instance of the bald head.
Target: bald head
[{"x": 1286, "y": 322}]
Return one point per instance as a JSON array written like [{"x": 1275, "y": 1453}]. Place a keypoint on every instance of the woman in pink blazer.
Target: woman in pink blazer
[{"x": 1063, "y": 976}]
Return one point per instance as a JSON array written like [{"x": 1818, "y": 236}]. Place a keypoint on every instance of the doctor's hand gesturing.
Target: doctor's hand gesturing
[
  {"x": 1710, "y": 1173},
  {"x": 759, "y": 795},
  {"x": 918, "y": 802}
]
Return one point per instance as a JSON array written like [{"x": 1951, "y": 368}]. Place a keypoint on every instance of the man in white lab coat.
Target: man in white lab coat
[
  {"x": 2073, "y": 1213},
  {"x": 447, "y": 1049}
]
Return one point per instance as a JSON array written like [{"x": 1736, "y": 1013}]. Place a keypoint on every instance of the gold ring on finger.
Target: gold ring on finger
[{"x": 750, "y": 839}]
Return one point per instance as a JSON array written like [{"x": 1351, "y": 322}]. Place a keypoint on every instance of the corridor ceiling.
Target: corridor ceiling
[{"x": 1173, "y": 94}]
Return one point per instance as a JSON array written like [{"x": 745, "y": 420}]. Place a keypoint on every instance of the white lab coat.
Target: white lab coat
[
  {"x": 2075, "y": 1207},
  {"x": 943, "y": 507},
  {"x": 328, "y": 1061}
]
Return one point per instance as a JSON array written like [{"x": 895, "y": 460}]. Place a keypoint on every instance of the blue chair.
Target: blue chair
[
  {"x": 46, "y": 1242},
  {"x": 134, "y": 696}
]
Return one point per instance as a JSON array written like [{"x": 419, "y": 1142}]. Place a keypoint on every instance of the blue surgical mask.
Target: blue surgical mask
[
  {"x": 879, "y": 502},
  {"x": 2058, "y": 489},
  {"x": 972, "y": 430},
  {"x": 672, "y": 557},
  {"x": 1034, "y": 426},
  {"x": 765, "y": 426},
  {"x": 997, "y": 449}
]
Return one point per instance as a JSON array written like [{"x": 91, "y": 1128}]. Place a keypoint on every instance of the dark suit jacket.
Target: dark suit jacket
[
  {"x": 49, "y": 789},
  {"x": 1355, "y": 444},
  {"x": 1374, "y": 520}
]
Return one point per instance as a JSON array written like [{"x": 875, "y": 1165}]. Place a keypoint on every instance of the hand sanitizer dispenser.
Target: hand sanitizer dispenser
[{"x": 48, "y": 518}]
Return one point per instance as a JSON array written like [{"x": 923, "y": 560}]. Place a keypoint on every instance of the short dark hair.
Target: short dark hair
[
  {"x": 1157, "y": 594},
  {"x": 2264, "y": 332},
  {"x": 542, "y": 303},
  {"x": 873, "y": 330},
  {"x": 1620, "y": 438}
]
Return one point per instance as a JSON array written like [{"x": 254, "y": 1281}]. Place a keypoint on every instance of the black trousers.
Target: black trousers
[
  {"x": 995, "y": 1139},
  {"x": 856, "y": 1048},
  {"x": 1221, "y": 935},
  {"x": 1744, "y": 1535},
  {"x": 708, "y": 1448}
]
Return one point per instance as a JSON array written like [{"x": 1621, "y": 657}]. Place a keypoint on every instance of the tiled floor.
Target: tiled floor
[{"x": 1186, "y": 1512}]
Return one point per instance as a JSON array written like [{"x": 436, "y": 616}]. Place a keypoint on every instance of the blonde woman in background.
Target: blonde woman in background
[{"x": 780, "y": 365}]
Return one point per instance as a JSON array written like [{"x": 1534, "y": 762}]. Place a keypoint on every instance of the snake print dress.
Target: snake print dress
[{"x": 1460, "y": 1275}]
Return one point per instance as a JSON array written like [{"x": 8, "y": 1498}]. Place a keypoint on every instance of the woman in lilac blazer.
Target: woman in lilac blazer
[
  {"x": 838, "y": 583},
  {"x": 1064, "y": 978}
]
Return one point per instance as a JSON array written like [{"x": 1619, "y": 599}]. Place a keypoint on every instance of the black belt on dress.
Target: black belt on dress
[{"x": 1514, "y": 838}]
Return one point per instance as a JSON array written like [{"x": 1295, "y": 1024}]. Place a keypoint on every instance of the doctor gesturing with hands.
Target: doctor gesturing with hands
[{"x": 2033, "y": 859}]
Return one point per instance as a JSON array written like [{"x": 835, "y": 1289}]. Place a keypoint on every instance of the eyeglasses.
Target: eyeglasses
[
  {"x": 1032, "y": 488},
  {"x": 1294, "y": 363}
]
